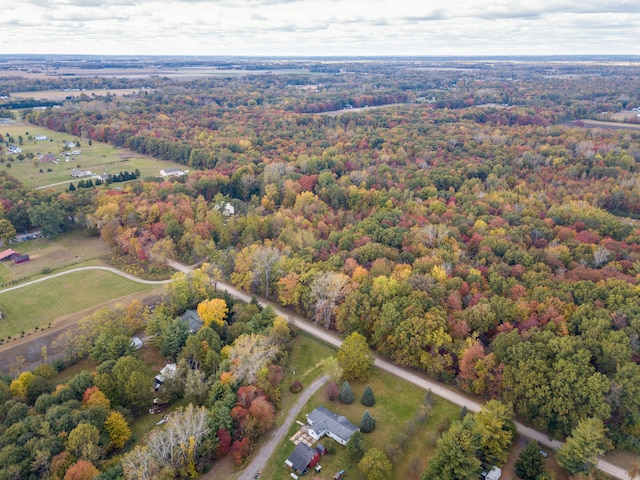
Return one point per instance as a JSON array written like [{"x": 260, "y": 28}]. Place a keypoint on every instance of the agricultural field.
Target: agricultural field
[
  {"x": 98, "y": 157},
  {"x": 63, "y": 94}
]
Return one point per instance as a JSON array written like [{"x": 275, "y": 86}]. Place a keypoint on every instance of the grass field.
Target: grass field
[
  {"x": 39, "y": 304},
  {"x": 62, "y": 94},
  {"x": 71, "y": 248},
  {"x": 98, "y": 158}
]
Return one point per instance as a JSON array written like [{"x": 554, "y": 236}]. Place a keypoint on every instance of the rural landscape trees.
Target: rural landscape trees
[{"x": 477, "y": 228}]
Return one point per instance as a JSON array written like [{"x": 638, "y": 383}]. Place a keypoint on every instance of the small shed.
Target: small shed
[
  {"x": 21, "y": 259},
  {"x": 136, "y": 343}
]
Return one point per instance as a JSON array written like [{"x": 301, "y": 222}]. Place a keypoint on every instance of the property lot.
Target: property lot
[
  {"x": 55, "y": 168},
  {"x": 42, "y": 303}
]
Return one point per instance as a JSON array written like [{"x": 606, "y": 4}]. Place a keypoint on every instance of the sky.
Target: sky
[{"x": 320, "y": 27}]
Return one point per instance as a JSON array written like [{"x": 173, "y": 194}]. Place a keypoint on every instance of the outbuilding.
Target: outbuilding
[{"x": 21, "y": 259}]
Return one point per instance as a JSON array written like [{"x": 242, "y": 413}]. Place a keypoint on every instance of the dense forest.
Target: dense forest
[{"x": 463, "y": 228}]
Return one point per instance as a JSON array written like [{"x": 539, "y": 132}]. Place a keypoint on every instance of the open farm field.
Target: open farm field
[
  {"x": 98, "y": 158},
  {"x": 604, "y": 125},
  {"x": 625, "y": 115},
  {"x": 63, "y": 94},
  {"x": 181, "y": 73},
  {"x": 39, "y": 304}
]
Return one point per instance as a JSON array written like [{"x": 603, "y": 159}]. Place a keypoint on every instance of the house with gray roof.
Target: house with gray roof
[
  {"x": 323, "y": 421},
  {"x": 193, "y": 320}
]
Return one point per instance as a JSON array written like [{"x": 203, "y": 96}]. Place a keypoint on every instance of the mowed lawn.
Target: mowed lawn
[
  {"x": 39, "y": 304},
  {"x": 397, "y": 403},
  {"x": 98, "y": 158}
]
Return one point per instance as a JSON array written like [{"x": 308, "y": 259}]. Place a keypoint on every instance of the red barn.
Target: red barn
[{"x": 303, "y": 458}]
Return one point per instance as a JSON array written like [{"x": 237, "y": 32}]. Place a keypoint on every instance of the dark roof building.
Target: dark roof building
[{"x": 303, "y": 458}]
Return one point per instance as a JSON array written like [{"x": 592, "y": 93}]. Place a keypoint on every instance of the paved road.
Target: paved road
[{"x": 406, "y": 374}]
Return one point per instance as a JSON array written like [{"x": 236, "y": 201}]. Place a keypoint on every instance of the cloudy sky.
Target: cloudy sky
[{"x": 320, "y": 27}]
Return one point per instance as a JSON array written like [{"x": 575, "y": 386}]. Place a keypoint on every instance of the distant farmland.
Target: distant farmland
[{"x": 603, "y": 125}]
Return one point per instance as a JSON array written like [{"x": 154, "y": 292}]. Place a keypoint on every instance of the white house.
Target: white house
[
  {"x": 168, "y": 371},
  {"x": 172, "y": 172},
  {"x": 225, "y": 208},
  {"x": 76, "y": 173},
  {"x": 323, "y": 421}
]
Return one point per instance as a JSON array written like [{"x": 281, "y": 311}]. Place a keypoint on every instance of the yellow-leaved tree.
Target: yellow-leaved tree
[
  {"x": 213, "y": 311},
  {"x": 118, "y": 428}
]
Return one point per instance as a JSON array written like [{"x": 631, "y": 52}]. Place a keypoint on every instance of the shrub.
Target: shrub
[
  {"x": 296, "y": 386},
  {"x": 332, "y": 391},
  {"x": 346, "y": 394},
  {"x": 330, "y": 445},
  {"x": 368, "y": 399}
]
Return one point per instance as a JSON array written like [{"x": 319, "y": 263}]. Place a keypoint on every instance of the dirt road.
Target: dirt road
[{"x": 275, "y": 437}]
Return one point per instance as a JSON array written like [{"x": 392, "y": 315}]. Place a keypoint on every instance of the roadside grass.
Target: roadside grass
[
  {"x": 397, "y": 403},
  {"x": 6, "y": 275},
  {"x": 98, "y": 158},
  {"x": 305, "y": 359},
  {"x": 39, "y": 304}
]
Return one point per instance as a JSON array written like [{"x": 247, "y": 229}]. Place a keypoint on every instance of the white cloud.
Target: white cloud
[{"x": 321, "y": 27}]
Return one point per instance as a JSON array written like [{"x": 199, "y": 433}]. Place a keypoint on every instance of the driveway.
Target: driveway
[{"x": 275, "y": 438}]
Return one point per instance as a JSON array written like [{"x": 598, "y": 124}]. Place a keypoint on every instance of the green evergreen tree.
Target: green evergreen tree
[
  {"x": 346, "y": 394},
  {"x": 355, "y": 447},
  {"x": 367, "y": 423},
  {"x": 530, "y": 464},
  {"x": 368, "y": 399},
  {"x": 71, "y": 187}
]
